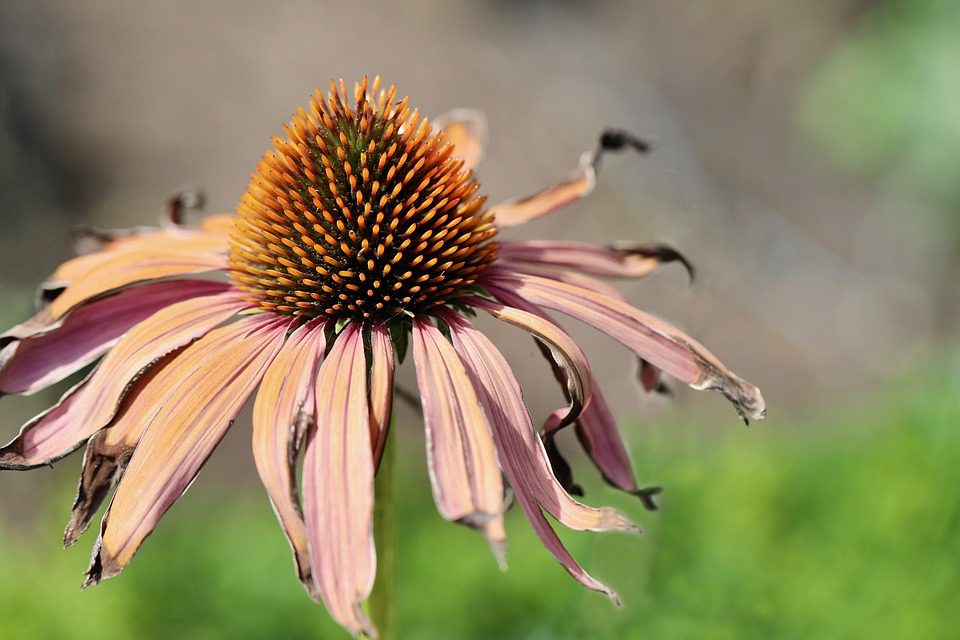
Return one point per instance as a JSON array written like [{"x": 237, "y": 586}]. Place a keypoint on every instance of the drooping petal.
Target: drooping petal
[
  {"x": 83, "y": 336},
  {"x": 91, "y": 405},
  {"x": 338, "y": 485},
  {"x": 466, "y": 129},
  {"x": 616, "y": 261},
  {"x": 521, "y": 454},
  {"x": 381, "y": 388},
  {"x": 596, "y": 427},
  {"x": 124, "y": 268},
  {"x": 662, "y": 345},
  {"x": 580, "y": 184},
  {"x": 562, "y": 349},
  {"x": 597, "y": 430},
  {"x": 183, "y": 415},
  {"x": 282, "y": 412},
  {"x": 106, "y": 457},
  {"x": 460, "y": 451}
]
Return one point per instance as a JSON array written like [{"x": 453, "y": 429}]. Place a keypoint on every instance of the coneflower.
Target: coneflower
[{"x": 361, "y": 231}]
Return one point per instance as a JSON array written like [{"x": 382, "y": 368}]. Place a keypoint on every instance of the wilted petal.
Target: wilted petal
[
  {"x": 282, "y": 411},
  {"x": 83, "y": 336},
  {"x": 562, "y": 350},
  {"x": 91, "y": 405},
  {"x": 616, "y": 261},
  {"x": 460, "y": 451},
  {"x": 381, "y": 388},
  {"x": 521, "y": 454},
  {"x": 596, "y": 427},
  {"x": 338, "y": 485},
  {"x": 466, "y": 129},
  {"x": 125, "y": 268},
  {"x": 654, "y": 340},
  {"x": 183, "y": 414},
  {"x": 577, "y": 186}
]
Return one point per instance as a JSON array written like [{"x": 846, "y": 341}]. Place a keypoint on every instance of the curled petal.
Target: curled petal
[
  {"x": 381, "y": 388},
  {"x": 561, "y": 347},
  {"x": 622, "y": 260},
  {"x": 71, "y": 343},
  {"x": 282, "y": 411},
  {"x": 182, "y": 414},
  {"x": 466, "y": 129},
  {"x": 596, "y": 427},
  {"x": 580, "y": 184},
  {"x": 460, "y": 450},
  {"x": 338, "y": 485},
  {"x": 91, "y": 405},
  {"x": 521, "y": 454},
  {"x": 662, "y": 345}
]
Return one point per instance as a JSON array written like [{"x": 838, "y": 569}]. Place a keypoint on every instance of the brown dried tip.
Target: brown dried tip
[{"x": 361, "y": 211}]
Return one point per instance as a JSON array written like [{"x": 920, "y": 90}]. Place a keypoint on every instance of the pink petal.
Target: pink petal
[
  {"x": 338, "y": 485},
  {"x": 654, "y": 340},
  {"x": 282, "y": 412},
  {"x": 460, "y": 451},
  {"x": 521, "y": 454},
  {"x": 83, "y": 336},
  {"x": 562, "y": 350},
  {"x": 381, "y": 388},
  {"x": 617, "y": 261},
  {"x": 596, "y": 426},
  {"x": 183, "y": 414},
  {"x": 91, "y": 405}
]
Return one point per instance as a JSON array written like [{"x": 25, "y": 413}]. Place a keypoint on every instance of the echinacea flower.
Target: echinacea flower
[{"x": 361, "y": 231}]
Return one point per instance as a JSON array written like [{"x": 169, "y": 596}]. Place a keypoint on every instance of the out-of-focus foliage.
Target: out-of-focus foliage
[
  {"x": 887, "y": 100},
  {"x": 848, "y": 529}
]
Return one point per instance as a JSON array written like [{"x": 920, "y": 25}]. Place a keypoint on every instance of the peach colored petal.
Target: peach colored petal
[
  {"x": 338, "y": 485},
  {"x": 381, "y": 388},
  {"x": 466, "y": 129},
  {"x": 218, "y": 224},
  {"x": 460, "y": 452},
  {"x": 662, "y": 345},
  {"x": 91, "y": 405},
  {"x": 75, "y": 341},
  {"x": 183, "y": 414},
  {"x": 282, "y": 412},
  {"x": 580, "y": 183},
  {"x": 160, "y": 240},
  {"x": 125, "y": 268}
]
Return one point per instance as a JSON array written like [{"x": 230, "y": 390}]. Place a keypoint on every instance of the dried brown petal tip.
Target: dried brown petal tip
[{"x": 361, "y": 211}]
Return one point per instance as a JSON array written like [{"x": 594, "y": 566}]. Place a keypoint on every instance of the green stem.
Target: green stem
[{"x": 383, "y": 599}]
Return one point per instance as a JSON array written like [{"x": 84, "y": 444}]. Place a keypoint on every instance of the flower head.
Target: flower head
[{"x": 360, "y": 231}]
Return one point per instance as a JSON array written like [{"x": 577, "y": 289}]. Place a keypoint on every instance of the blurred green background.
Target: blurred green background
[{"x": 807, "y": 160}]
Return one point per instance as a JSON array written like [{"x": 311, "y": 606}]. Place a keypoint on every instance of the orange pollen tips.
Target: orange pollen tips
[{"x": 363, "y": 210}]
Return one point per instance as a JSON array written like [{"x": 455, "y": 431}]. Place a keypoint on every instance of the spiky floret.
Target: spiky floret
[{"x": 362, "y": 211}]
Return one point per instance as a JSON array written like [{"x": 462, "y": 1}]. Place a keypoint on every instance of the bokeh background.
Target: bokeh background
[{"x": 806, "y": 160}]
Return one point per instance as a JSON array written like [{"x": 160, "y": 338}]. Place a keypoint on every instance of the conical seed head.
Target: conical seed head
[{"x": 361, "y": 211}]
